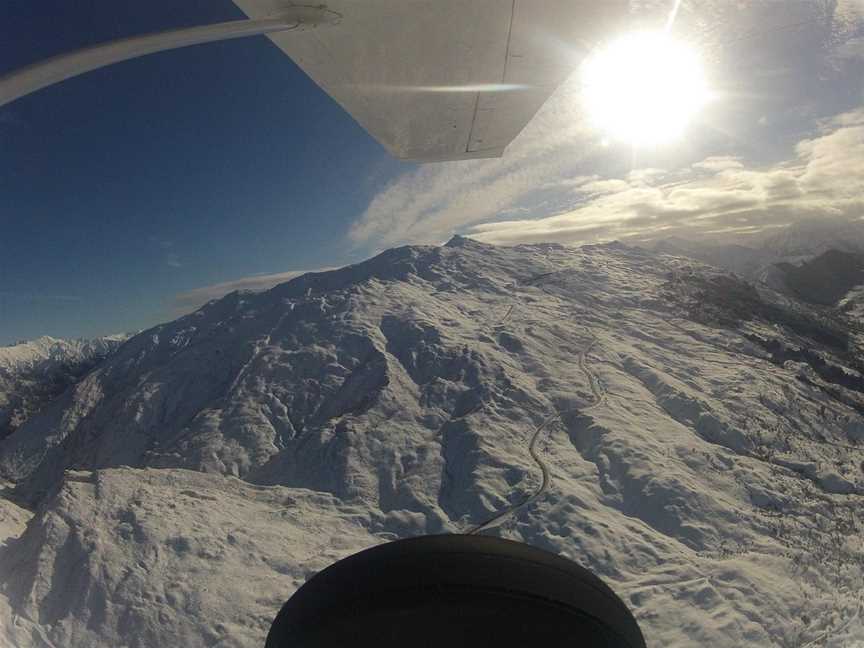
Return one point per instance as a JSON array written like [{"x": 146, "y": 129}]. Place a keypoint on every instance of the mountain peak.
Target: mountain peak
[{"x": 459, "y": 241}]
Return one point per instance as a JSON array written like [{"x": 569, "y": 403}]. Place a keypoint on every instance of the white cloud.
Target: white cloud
[
  {"x": 719, "y": 163},
  {"x": 482, "y": 198},
  {"x": 191, "y": 300},
  {"x": 825, "y": 178}
]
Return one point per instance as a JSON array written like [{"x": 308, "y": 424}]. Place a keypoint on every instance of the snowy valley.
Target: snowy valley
[{"x": 704, "y": 440}]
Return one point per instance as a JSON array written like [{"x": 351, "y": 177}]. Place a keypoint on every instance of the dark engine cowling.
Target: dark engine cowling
[{"x": 455, "y": 591}]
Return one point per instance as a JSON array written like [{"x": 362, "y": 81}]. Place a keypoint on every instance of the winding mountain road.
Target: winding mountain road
[
  {"x": 546, "y": 476},
  {"x": 593, "y": 381}
]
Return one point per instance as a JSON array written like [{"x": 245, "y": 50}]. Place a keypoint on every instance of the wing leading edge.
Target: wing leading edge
[{"x": 436, "y": 80}]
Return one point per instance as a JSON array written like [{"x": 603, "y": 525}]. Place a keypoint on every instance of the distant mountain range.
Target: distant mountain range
[
  {"x": 818, "y": 261},
  {"x": 741, "y": 259},
  {"x": 825, "y": 279},
  {"x": 812, "y": 237},
  {"x": 34, "y": 373}
]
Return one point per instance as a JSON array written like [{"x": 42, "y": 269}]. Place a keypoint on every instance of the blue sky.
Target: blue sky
[
  {"x": 133, "y": 192},
  {"x": 131, "y": 184}
]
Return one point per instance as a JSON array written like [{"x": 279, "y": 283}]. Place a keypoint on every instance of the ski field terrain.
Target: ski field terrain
[{"x": 695, "y": 440}]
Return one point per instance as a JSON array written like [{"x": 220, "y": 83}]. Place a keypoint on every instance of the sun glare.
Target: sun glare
[{"x": 644, "y": 88}]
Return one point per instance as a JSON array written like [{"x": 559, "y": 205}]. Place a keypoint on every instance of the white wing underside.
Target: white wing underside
[{"x": 436, "y": 80}]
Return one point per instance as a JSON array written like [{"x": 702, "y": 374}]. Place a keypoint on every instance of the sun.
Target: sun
[{"x": 644, "y": 89}]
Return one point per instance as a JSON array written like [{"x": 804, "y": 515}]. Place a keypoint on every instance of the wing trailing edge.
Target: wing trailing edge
[{"x": 437, "y": 80}]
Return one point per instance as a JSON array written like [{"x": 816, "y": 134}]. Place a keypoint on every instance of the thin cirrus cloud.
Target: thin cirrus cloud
[{"x": 191, "y": 300}]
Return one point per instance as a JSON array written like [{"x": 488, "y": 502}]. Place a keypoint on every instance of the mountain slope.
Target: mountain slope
[
  {"x": 825, "y": 279},
  {"x": 33, "y": 373},
  {"x": 715, "y": 484},
  {"x": 161, "y": 558}
]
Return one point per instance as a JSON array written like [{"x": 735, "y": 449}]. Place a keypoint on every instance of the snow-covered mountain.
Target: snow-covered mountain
[
  {"x": 704, "y": 442},
  {"x": 811, "y": 237},
  {"x": 826, "y": 279},
  {"x": 768, "y": 258},
  {"x": 33, "y": 373},
  {"x": 740, "y": 259},
  {"x": 46, "y": 353}
]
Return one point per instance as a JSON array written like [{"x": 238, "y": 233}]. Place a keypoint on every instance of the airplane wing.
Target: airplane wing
[{"x": 436, "y": 80}]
